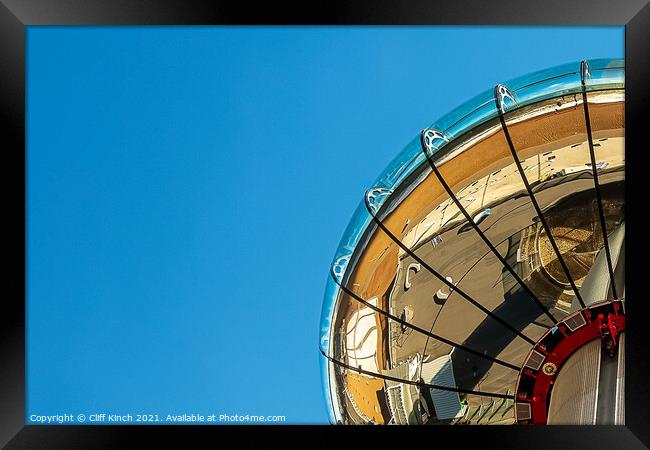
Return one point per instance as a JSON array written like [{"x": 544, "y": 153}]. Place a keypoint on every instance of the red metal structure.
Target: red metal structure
[{"x": 543, "y": 363}]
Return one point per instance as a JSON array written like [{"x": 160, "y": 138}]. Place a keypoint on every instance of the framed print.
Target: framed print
[{"x": 185, "y": 178}]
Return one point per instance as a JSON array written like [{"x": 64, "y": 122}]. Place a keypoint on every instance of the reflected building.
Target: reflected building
[{"x": 481, "y": 279}]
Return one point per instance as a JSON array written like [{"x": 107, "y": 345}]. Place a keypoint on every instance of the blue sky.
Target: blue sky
[{"x": 187, "y": 188}]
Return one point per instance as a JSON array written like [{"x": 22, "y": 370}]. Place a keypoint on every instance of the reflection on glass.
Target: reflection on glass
[{"x": 400, "y": 323}]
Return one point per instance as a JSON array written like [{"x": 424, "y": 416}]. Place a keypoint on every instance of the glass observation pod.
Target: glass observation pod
[{"x": 481, "y": 279}]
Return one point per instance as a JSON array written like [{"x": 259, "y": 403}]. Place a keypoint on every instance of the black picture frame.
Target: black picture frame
[{"x": 16, "y": 15}]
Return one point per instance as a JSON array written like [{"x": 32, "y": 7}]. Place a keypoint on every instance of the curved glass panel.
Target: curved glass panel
[
  {"x": 605, "y": 63},
  {"x": 481, "y": 114},
  {"x": 468, "y": 112},
  {"x": 327, "y": 313},
  {"x": 609, "y": 78},
  {"x": 328, "y": 387},
  {"x": 402, "y": 166}
]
